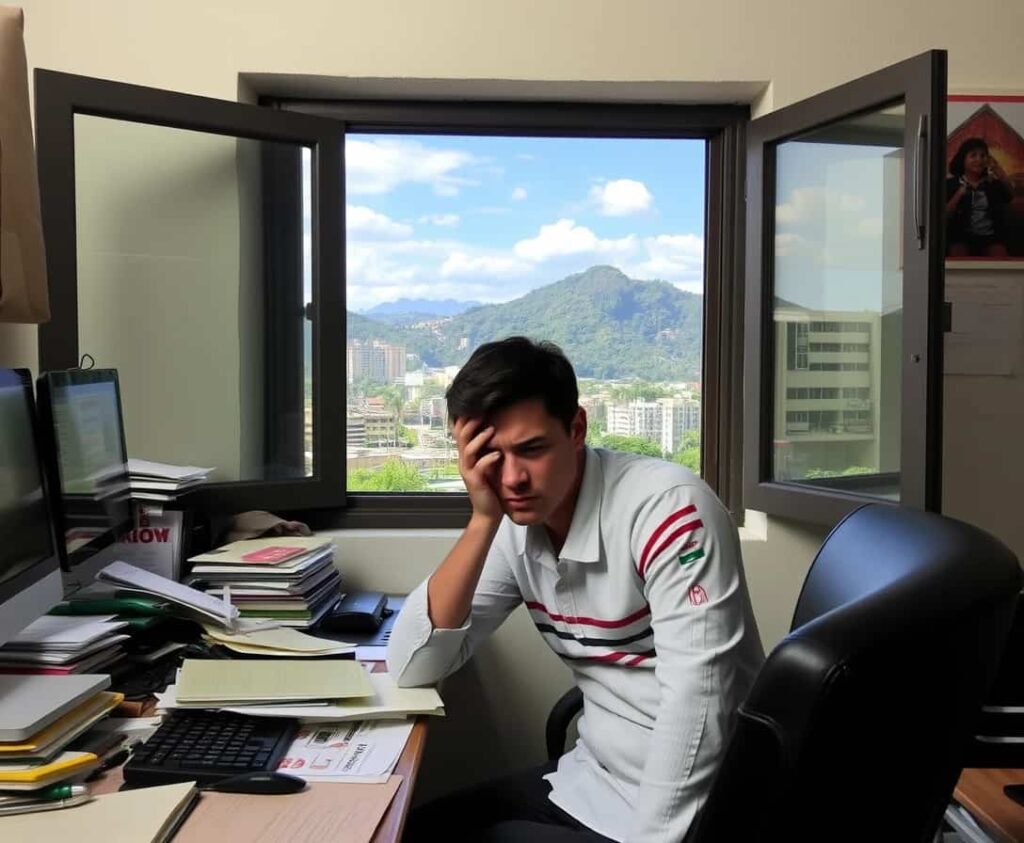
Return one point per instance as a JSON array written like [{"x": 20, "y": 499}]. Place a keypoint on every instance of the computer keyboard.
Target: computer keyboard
[{"x": 207, "y": 746}]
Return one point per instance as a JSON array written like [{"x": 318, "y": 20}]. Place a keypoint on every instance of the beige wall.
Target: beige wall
[{"x": 797, "y": 47}]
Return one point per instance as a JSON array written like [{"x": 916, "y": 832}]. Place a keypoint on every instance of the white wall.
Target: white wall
[{"x": 799, "y": 47}]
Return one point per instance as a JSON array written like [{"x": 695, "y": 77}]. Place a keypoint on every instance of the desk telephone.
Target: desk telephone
[{"x": 361, "y": 611}]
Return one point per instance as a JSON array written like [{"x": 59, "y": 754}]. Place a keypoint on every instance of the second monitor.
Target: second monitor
[{"x": 83, "y": 431}]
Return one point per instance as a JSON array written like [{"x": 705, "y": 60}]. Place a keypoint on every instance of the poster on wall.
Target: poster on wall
[{"x": 985, "y": 181}]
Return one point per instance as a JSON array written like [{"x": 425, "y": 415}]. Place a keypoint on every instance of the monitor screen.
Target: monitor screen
[
  {"x": 29, "y": 582},
  {"x": 81, "y": 411}
]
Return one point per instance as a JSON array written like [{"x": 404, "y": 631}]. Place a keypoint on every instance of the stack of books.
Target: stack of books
[
  {"x": 162, "y": 483},
  {"x": 43, "y": 759},
  {"x": 289, "y": 580},
  {"x": 64, "y": 644}
]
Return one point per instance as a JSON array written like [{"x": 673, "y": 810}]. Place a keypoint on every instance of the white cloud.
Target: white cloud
[
  {"x": 621, "y": 197},
  {"x": 566, "y": 238},
  {"x": 447, "y": 220},
  {"x": 676, "y": 258},
  {"x": 462, "y": 264},
  {"x": 519, "y": 194},
  {"x": 379, "y": 166},
  {"x": 362, "y": 223},
  {"x": 804, "y": 203}
]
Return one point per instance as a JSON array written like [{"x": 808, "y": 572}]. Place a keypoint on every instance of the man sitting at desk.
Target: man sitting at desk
[{"x": 631, "y": 570}]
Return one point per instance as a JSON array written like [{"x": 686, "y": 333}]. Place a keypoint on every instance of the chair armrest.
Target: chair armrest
[{"x": 562, "y": 713}]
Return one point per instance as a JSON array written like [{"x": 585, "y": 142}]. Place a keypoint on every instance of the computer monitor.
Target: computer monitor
[
  {"x": 30, "y": 580},
  {"x": 80, "y": 419}
]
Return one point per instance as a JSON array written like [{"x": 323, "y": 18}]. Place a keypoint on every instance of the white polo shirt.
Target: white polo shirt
[{"x": 648, "y": 606}]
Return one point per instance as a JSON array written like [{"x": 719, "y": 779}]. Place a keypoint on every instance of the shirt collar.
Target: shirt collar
[{"x": 583, "y": 544}]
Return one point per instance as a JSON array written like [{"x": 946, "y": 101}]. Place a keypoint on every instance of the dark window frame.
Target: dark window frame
[
  {"x": 920, "y": 83},
  {"x": 723, "y": 130},
  {"x": 58, "y": 98}
]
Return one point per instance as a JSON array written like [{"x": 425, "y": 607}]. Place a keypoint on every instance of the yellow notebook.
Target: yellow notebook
[
  {"x": 62, "y": 731},
  {"x": 147, "y": 815},
  {"x": 248, "y": 681},
  {"x": 29, "y": 776}
]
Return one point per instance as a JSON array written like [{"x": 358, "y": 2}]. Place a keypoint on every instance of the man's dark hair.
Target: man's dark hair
[
  {"x": 956, "y": 166},
  {"x": 502, "y": 373}
]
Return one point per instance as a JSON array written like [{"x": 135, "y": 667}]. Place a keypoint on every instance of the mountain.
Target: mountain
[
  {"x": 411, "y": 311},
  {"x": 610, "y": 326}
]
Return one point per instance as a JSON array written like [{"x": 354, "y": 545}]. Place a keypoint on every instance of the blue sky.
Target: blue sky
[{"x": 488, "y": 219}]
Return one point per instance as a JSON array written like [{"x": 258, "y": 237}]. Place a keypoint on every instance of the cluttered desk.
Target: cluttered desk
[{"x": 152, "y": 706}]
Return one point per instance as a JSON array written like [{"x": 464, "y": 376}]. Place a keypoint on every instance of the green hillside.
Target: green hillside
[{"x": 609, "y": 326}]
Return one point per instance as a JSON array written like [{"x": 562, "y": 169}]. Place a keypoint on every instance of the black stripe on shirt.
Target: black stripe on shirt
[{"x": 595, "y": 642}]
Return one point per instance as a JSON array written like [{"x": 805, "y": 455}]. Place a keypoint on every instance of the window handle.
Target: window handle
[{"x": 920, "y": 151}]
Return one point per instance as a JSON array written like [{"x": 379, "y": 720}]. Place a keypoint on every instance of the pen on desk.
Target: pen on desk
[{"x": 80, "y": 796}]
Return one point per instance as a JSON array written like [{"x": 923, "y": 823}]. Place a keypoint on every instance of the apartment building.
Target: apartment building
[
  {"x": 828, "y": 391},
  {"x": 663, "y": 421},
  {"x": 376, "y": 361}
]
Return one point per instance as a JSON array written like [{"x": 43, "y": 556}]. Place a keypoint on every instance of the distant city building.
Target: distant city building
[
  {"x": 375, "y": 361},
  {"x": 373, "y": 427},
  {"x": 828, "y": 377},
  {"x": 355, "y": 431},
  {"x": 434, "y": 412},
  {"x": 663, "y": 421}
]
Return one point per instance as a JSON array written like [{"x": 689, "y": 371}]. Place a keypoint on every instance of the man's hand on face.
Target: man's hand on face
[{"x": 478, "y": 466}]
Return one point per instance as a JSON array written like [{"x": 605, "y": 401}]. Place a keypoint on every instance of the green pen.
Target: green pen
[
  {"x": 61, "y": 791},
  {"x": 47, "y": 799}
]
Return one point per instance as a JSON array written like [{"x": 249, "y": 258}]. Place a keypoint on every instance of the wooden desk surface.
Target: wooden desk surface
[
  {"x": 980, "y": 791},
  {"x": 390, "y": 828},
  {"x": 388, "y": 831}
]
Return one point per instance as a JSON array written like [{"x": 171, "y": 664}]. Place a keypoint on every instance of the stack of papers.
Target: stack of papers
[
  {"x": 215, "y": 683},
  {"x": 50, "y": 740},
  {"x": 65, "y": 644},
  {"x": 127, "y": 580},
  {"x": 364, "y": 751},
  {"x": 387, "y": 700},
  {"x": 252, "y": 639},
  {"x": 288, "y": 579},
  {"x": 157, "y": 481}
]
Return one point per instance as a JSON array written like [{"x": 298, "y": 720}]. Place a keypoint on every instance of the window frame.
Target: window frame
[
  {"x": 920, "y": 83},
  {"x": 722, "y": 127},
  {"x": 58, "y": 98}
]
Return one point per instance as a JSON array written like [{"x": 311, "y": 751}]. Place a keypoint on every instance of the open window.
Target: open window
[
  {"x": 844, "y": 264},
  {"x": 193, "y": 244}
]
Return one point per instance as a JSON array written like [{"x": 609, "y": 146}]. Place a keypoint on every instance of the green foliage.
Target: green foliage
[
  {"x": 688, "y": 454},
  {"x": 595, "y": 432},
  {"x": 629, "y": 445},
  {"x": 609, "y": 326},
  {"x": 408, "y": 437},
  {"x": 640, "y": 391},
  {"x": 819, "y": 473},
  {"x": 394, "y": 475}
]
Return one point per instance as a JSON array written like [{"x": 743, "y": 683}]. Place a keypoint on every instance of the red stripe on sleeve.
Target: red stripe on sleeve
[
  {"x": 688, "y": 527},
  {"x": 668, "y": 522}
]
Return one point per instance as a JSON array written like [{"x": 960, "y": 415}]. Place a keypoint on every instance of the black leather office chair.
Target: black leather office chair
[{"x": 857, "y": 724}]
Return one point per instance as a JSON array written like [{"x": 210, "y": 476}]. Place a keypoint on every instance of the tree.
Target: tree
[
  {"x": 630, "y": 445},
  {"x": 394, "y": 475},
  {"x": 688, "y": 454}
]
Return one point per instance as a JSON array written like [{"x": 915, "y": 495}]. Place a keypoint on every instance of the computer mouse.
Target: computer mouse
[{"x": 261, "y": 781}]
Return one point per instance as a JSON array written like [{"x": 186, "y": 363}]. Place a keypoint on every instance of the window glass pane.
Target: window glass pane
[
  {"x": 454, "y": 241},
  {"x": 838, "y": 305},
  {"x": 181, "y": 290}
]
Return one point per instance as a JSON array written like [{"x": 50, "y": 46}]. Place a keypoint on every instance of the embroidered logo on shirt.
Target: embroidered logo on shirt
[
  {"x": 687, "y": 558},
  {"x": 698, "y": 596}
]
